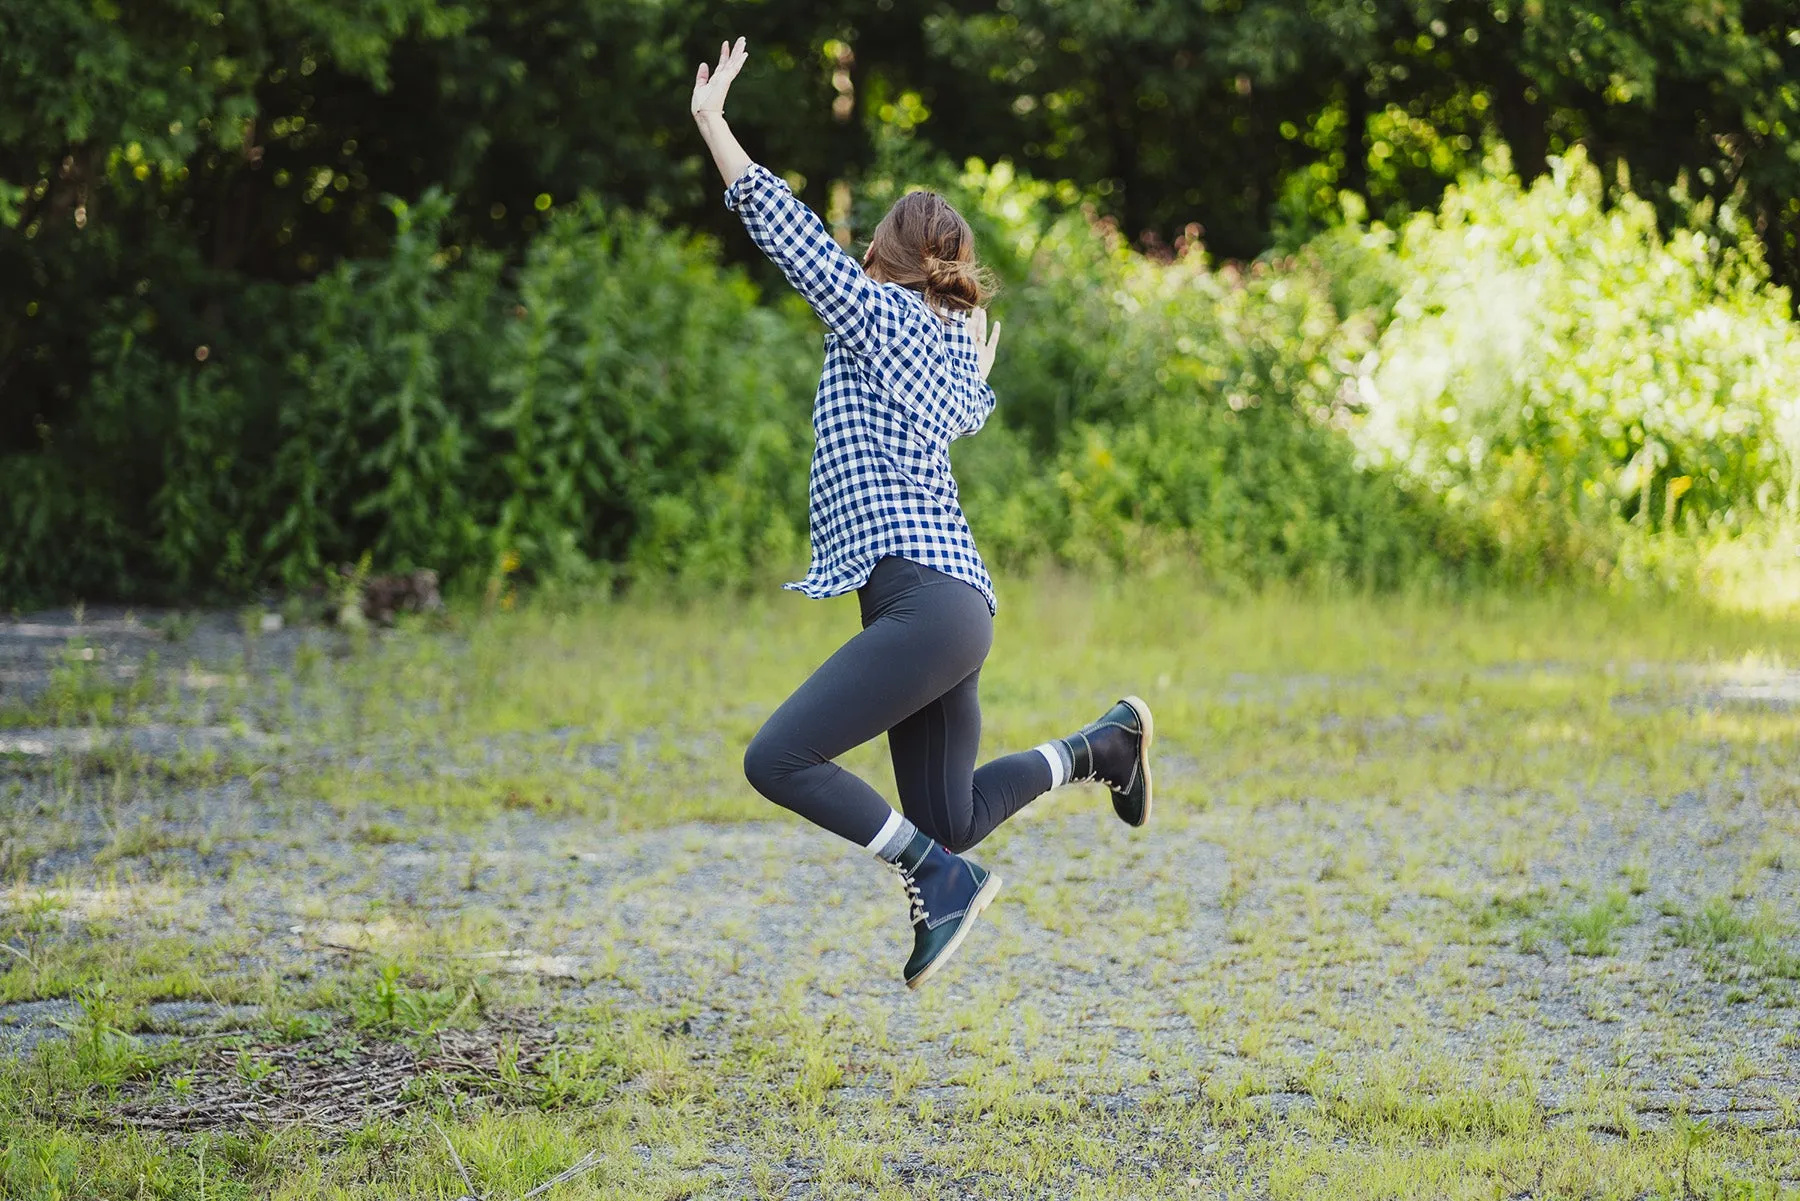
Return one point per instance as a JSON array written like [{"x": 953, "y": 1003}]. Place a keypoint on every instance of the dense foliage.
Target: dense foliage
[
  {"x": 620, "y": 398},
  {"x": 192, "y": 148},
  {"x": 1528, "y": 386},
  {"x": 1181, "y": 412},
  {"x": 284, "y": 283},
  {"x": 1557, "y": 372}
]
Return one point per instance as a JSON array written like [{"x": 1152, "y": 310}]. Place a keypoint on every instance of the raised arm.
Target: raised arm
[
  {"x": 708, "y": 106},
  {"x": 849, "y": 303}
]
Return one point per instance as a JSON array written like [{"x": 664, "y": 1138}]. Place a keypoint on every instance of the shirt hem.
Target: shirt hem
[{"x": 821, "y": 591}]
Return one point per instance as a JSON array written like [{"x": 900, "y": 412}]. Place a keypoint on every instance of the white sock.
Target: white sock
[
  {"x": 1059, "y": 766},
  {"x": 895, "y": 833}
]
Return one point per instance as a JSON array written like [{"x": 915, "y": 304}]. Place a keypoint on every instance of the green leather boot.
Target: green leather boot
[
  {"x": 1115, "y": 751},
  {"x": 947, "y": 893}
]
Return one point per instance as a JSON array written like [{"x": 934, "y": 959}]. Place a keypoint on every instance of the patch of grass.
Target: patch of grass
[
  {"x": 390, "y": 1002},
  {"x": 1733, "y": 945},
  {"x": 1590, "y": 930},
  {"x": 1715, "y": 925},
  {"x": 144, "y": 837},
  {"x": 134, "y": 970},
  {"x": 1505, "y": 907},
  {"x": 375, "y": 832},
  {"x": 81, "y": 691}
]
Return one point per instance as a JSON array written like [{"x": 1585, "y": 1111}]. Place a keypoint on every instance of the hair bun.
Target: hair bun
[
  {"x": 952, "y": 282},
  {"x": 939, "y": 270}
]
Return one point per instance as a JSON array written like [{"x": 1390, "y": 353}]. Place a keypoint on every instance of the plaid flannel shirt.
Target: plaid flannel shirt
[{"x": 900, "y": 383}]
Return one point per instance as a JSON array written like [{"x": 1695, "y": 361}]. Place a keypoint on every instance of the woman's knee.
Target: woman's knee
[
  {"x": 957, "y": 839},
  {"x": 771, "y": 762},
  {"x": 763, "y": 765}
]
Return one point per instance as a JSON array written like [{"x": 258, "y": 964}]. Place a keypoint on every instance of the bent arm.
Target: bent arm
[
  {"x": 833, "y": 283},
  {"x": 849, "y": 303}
]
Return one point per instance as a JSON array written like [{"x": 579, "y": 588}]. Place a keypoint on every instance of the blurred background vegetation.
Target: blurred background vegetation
[{"x": 1384, "y": 293}]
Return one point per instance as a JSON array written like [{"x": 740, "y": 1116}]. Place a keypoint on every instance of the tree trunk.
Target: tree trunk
[
  {"x": 1521, "y": 121},
  {"x": 1124, "y": 147},
  {"x": 1356, "y": 135}
]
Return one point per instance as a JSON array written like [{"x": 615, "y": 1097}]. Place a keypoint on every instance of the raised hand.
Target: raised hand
[
  {"x": 987, "y": 344},
  {"x": 711, "y": 84}
]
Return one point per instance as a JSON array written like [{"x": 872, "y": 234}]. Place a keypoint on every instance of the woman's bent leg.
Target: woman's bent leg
[
  {"x": 913, "y": 649},
  {"x": 941, "y": 790}
]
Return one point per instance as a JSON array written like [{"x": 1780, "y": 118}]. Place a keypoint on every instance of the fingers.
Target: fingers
[
  {"x": 717, "y": 80},
  {"x": 731, "y": 61},
  {"x": 993, "y": 338}
]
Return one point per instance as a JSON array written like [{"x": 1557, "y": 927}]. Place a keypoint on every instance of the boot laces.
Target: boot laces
[
  {"x": 915, "y": 899},
  {"x": 1093, "y": 775}
]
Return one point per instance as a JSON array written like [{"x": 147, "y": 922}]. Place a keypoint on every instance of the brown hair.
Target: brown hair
[{"x": 925, "y": 245}]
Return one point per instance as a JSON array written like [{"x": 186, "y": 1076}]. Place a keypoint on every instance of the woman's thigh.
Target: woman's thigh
[{"x": 919, "y": 642}]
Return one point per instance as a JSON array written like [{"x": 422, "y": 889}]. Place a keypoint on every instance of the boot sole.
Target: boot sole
[
  {"x": 1142, "y": 709},
  {"x": 984, "y": 896}
]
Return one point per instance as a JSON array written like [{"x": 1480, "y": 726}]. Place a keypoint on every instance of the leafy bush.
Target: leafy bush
[
  {"x": 624, "y": 399},
  {"x": 1532, "y": 385},
  {"x": 1569, "y": 379},
  {"x": 1186, "y": 412},
  {"x": 647, "y": 408},
  {"x": 377, "y": 449}
]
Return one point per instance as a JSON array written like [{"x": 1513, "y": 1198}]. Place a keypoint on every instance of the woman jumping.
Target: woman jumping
[{"x": 907, "y": 354}]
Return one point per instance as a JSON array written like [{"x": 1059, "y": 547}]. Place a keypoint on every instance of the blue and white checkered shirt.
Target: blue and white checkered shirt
[{"x": 901, "y": 382}]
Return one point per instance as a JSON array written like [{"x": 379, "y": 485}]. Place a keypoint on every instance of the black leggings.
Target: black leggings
[{"x": 913, "y": 672}]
